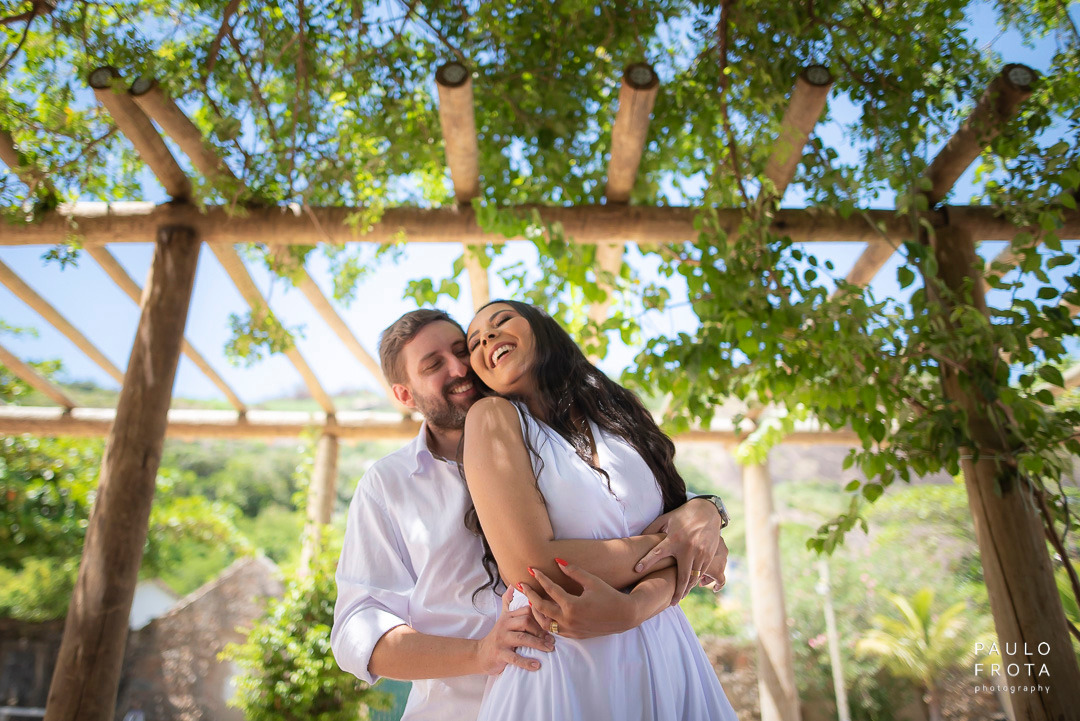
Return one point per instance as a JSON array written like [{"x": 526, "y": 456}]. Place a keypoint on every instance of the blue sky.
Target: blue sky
[{"x": 94, "y": 305}]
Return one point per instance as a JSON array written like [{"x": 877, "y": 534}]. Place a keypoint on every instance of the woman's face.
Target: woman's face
[{"x": 502, "y": 350}]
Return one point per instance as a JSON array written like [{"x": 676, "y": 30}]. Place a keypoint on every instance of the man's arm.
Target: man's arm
[
  {"x": 370, "y": 637},
  {"x": 408, "y": 655}
]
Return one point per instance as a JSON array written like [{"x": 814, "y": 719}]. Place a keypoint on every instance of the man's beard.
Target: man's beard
[{"x": 441, "y": 412}]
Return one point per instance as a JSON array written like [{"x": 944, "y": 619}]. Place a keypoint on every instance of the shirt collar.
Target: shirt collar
[{"x": 422, "y": 454}]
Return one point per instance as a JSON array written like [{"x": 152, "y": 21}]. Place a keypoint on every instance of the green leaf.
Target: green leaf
[
  {"x": 905, "y": 276},
  {"x": 1052, "y": 375}
]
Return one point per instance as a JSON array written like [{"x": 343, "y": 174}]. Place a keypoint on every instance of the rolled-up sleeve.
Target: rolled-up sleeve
[{"x": 374, "y": 583}]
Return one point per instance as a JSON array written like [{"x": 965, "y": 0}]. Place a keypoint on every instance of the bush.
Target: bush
[{"x": 288, "y": 671}]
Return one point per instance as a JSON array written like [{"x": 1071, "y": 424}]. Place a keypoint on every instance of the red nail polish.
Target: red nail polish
[
  {"x": 518, "y": 585},
  {"x": 561, "y": 562},
  {"x": 532, "y": 572}
]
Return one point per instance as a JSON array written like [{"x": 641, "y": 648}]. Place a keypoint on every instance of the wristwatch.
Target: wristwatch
[{"x": 719, "y": 503}]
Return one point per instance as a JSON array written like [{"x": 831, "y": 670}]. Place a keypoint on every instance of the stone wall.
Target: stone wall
[
  {"x": 27, "y": 656},
  {"x": 171, "y": 670}
]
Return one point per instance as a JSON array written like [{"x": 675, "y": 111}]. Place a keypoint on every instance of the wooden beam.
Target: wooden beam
[
  {"x": 458, "y": 121},
  {"x": 1008, "y": 259},
  {"x": 803, "y": 112},
  {"x": 42, "y": 307},
  {"x": 232, "y": 264},
  {"x": 35, "y": 380},
  {"x": 164, "y": 111},
  {"x": 322, "y": 306},
  {"x": 10, "y": 156},
  {"x": 88, "y": 665},
  {"x": 134, "y": 124},
  {"x": 1072, "y": 377},
  {"x": 119, "y": 276},
  {"x": 637, "y": 94},
  {"x": 998, "y": 104},
  {"x": 131, "y": 222},
  {"x": 193, "y": 424}
]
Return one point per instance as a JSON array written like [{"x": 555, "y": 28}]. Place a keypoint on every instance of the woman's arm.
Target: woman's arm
[
  {"x": 500, "y": 477},
  {"x": 600, "y": 609}
]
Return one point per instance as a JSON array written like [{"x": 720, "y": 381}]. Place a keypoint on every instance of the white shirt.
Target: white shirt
[{"x": 408, "y": 559}]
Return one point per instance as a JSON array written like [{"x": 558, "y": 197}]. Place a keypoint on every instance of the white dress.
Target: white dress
[{"x": 657, "y": 671}]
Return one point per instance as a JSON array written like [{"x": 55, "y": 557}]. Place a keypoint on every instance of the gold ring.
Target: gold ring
[
  {"x": 554, "y": 627},
  {"x": 695, "y": 574}
]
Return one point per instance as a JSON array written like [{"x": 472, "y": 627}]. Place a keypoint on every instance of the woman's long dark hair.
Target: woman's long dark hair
[{"x": 566, "y": 382}]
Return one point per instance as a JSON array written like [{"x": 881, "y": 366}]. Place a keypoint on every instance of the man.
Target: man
[{"x": 408, "y": 603}]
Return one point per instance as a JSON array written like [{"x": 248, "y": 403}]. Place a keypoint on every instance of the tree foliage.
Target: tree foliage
[
  {"x": 47, "y": 489},
  {"x": 328, "y": 103}
]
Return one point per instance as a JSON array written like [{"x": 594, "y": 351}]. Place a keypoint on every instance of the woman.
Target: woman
[{"x": 565, "y": 453}]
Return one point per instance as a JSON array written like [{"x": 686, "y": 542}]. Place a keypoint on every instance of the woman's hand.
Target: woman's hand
[
  {"x": 693, "y": 537},
  {"x": 714, "y": 576},
  {"x": 513, "y": 630},
  {"x": 599, "y": 610}
]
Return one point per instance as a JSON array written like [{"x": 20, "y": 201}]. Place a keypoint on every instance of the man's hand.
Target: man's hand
[
  {"x": 693, "y": 536},
  {"x": 513, "y": 630},
  {"x": 599, "y": 610}
]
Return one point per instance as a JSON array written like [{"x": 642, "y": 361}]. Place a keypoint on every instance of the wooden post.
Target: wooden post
[
  {"x": 87, "y": 673},
  {"x": 1019, "y": 578},
  {"x": 776, "y": 677},
  {"x": 825, "y": 589},
  {"x": 320, "y": 500},
  {"x": 776, "y": 665}
]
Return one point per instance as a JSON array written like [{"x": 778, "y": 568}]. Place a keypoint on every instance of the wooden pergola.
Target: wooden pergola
[{"x": 87, "y": 673}]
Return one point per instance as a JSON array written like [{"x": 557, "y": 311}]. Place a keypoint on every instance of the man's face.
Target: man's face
[{"x": 440, "y": 383}]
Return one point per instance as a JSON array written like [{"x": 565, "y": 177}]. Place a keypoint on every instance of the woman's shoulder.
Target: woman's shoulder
[{"x": 491, "y": 413}]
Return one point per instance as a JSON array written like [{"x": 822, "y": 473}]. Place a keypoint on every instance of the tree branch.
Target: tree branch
[
  {"x": 22, "y": 41},
  {"x": 733, "y": 148},
  {"x": 215, "y": 47}
]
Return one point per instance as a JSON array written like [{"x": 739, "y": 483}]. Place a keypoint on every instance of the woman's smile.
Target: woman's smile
[
  {"x": 499, "y": 351},
  {"x": 502, "y": 349}
]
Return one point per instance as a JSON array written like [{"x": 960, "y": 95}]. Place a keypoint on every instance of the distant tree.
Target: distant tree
[
  {"x": 47, "y": 488},
  {"x": 922, "y": 646}
]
